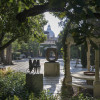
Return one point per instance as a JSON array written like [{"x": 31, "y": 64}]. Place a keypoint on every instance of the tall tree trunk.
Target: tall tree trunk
[
  {"x": 8, "y": 56},
  {"x": 2, "y": 58}
]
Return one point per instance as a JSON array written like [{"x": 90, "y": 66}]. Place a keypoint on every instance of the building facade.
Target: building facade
[{"x": 50, "y": 41}]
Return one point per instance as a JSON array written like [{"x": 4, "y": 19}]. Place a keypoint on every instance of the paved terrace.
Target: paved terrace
[{"x": 49, "y": 83}]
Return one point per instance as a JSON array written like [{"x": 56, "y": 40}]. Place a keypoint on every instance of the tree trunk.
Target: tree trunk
[
  {"x": 2, "y": 58},
  {"x": 8, "y": 56}
]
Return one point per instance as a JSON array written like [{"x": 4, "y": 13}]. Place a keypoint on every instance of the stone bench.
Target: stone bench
[{"x": 80, "y": 85}]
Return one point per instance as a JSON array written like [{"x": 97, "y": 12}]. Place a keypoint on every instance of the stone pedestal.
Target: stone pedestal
[
  {"x": 51, "y": 69},
  {"x": 34, "y": 82}
]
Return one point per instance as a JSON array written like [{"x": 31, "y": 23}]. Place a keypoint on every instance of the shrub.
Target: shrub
[
  {"x": 12, "y": 84},
  {"x": 12, "y": 87}
]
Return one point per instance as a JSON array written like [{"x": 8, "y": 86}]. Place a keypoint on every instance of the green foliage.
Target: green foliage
[
  {"x": 83, "y": 97},
  {"x": 43, "y": 96},
  {"x": 77, "y": 11},
  {"x": 58, "y": 3},
  {"x": 12, "y": 87},
  {"x": 75, "y": 52},
  {"x": 12, "y": 84},
  {"x": 15, "y": 46},
  {"x": 29, "y": 48},
  {"x": 11, "y": 29},
  {"x": 81, "y": 15}
]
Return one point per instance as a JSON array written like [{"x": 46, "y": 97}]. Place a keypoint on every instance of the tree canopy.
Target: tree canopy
[
  {"x": 86, "y": 9},
  {"x": 80, "y": 13},
  {"x": 19, "y": 18},
  {"x": 11, "y": 29}
]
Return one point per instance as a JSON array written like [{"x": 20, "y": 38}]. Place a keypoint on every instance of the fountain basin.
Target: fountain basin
[{"x": 88, "y": 73}]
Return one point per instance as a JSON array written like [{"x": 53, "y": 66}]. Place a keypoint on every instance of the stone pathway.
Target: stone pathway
[{"x": 49, "y": 83}]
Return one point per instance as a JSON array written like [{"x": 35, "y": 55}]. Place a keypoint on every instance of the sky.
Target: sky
[{"x": 53, "y": 22}]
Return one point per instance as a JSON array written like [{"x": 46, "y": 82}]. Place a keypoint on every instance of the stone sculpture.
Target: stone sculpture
[
  {"x": 35, "y": 66},
  {"x": 48, "y": 54},
  {"x": 52, "y": 67},
  {"x": 30, "y": 65},
  {"x": 38, "y": 66}
]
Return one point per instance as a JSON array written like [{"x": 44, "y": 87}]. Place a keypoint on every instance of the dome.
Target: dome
[{"x": 51, "y": 33}]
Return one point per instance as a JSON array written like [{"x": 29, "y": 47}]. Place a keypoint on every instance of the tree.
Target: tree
[
  {"x": 77, "y": 11},
  {"x": 11, "y": 29},
  {"x": 88, "y": 8},
  {"x": 8, "y": 59},
  {"x": 31, "y": 48}
]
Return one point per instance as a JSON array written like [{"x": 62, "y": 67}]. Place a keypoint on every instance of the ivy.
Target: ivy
[{"x": 64, "y": 45}]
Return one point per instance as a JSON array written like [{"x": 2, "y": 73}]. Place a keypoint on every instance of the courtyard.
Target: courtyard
[{"x": 53, "y": 84}]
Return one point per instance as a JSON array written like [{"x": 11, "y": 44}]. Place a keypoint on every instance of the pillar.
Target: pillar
[
  {"x": 88, "y": 55},
  {"x": 68, "y": 77},
  {"x": 97, "y": 80},
  {"x": 97, "y": 64}
]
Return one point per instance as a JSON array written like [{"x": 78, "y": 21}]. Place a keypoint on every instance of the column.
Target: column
[
  {"x": 97, "y": 64},
  {"x": 88, "y": 55},
  {"x": 68, "y": 77},
  {"x": 97, "y": 81}
]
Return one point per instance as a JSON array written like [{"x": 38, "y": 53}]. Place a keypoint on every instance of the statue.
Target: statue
[
  {"x": 38, "y": 66},
  {"x": 30, "y": 65},
  {"x": 35, "y": 66}
]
